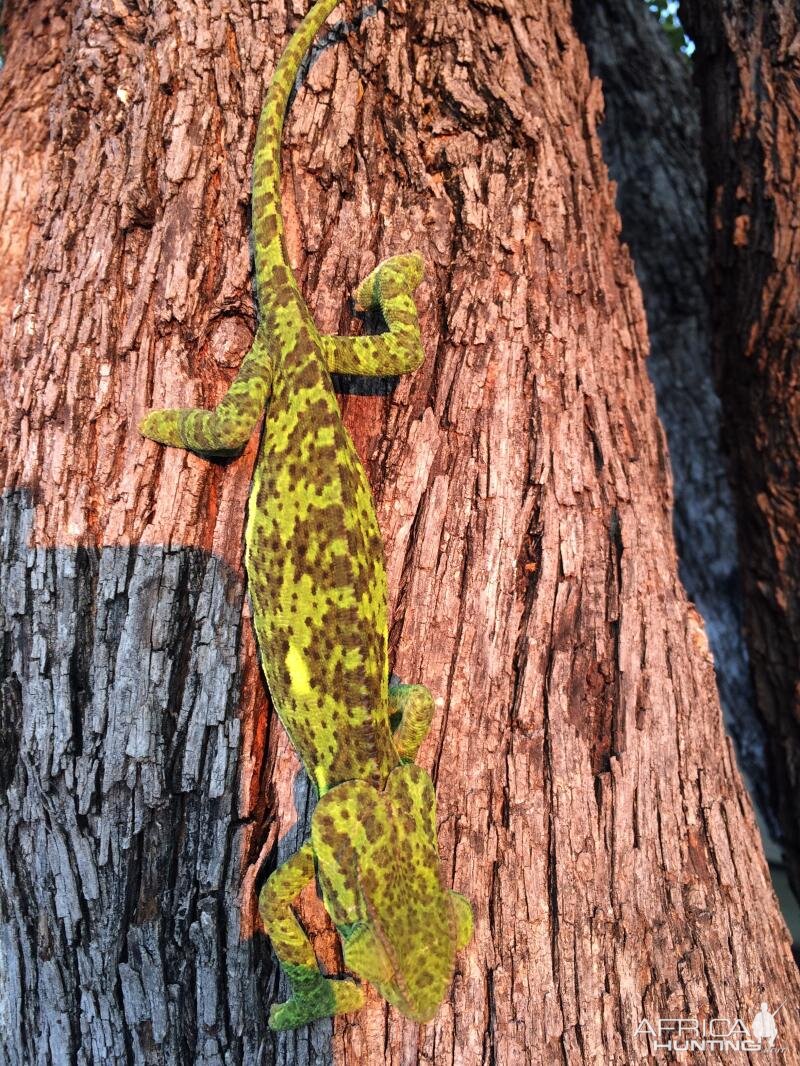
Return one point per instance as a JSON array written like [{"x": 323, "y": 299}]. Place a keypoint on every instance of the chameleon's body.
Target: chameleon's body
[{"x": 318, "y": 586}]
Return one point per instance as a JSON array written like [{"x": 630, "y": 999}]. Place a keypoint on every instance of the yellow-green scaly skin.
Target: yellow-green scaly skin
[{"x": 317, "y": 581}]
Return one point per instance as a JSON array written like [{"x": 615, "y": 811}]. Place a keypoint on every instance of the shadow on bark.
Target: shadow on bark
[
  {"x": 122, "y": 848},
  {"x": 748, "y": 75},
  {"x": 652, "y": 143}
]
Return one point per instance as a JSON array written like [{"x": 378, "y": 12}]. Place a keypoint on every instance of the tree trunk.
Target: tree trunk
[
  {"x": 34, "y": 40},
  {"x": 748, "y": 71},
  {"x": 589, "y": 802},
  {"x": 651, "y": 142}
]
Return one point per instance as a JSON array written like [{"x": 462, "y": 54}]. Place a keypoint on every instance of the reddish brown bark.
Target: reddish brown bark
[
  {"x": 589, "y": 802},
  {"x": 33, "y": 42},
  {"x": 748, "y": 71}
]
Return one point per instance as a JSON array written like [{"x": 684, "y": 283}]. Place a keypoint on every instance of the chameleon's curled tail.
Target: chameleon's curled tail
[{"x": 267, "y": 221}]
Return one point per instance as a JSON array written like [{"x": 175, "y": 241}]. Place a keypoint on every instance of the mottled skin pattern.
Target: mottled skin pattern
[{"x": 316, "y": 578}]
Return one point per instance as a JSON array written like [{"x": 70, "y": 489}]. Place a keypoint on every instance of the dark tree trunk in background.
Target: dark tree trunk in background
[
  {"x": 651, "y": 142},
  {"x": 589, "y": 802},
  {"x": 748, "y": 71}
]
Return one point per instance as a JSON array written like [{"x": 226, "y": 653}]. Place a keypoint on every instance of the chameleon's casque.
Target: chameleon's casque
[{"x": 317, "y": 581}]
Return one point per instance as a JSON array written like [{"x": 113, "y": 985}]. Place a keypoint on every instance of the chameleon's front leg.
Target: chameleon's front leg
[
  {"x": 389, "y": 288},
  {"x": 225, "y": 430},
  {"x": 313, "y": 994},
  {"x": 410, "y": 713}
]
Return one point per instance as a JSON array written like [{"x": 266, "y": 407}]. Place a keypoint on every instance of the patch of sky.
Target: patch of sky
[{"x": 667, "y": 13}]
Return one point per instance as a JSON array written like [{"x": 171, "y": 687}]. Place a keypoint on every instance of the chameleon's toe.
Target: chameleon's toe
[
  {"x": 348, "y": 995},
  {"x": 162, "y": 426},
  {"x": 405, "y": 270},
  {"x": 413, "y": 267},
  {"x": 332, "y": 997},
  {"x": 288, "y": 1015},
  {"x": 366, "y": 296},
  {"x": 465, "y": 922}
]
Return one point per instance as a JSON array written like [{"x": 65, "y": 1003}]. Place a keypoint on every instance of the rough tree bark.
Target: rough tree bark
[
  {"x": 26, "y": 88},
  {"x": 652, "y": 145},
  {"x": 589, "y": 801},
  {"x": 748, "y": 71}
]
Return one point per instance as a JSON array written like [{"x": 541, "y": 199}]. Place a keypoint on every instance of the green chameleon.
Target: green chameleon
[{"x": 316, "y": 577}]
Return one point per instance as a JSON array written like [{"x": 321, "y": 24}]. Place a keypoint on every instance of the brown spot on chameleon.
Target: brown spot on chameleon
[{"x": 317, "y": 581}]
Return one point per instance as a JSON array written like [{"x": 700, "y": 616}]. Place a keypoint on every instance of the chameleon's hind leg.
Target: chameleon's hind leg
[
  {"x": 411, "y": 713},
  {"x": 313, "y": 994},
  {"x": 225, "y": 430},
  {"x": 388, "y": 287}
]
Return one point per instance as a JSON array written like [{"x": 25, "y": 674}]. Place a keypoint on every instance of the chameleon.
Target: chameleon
[{"x": 317, "y": 582}]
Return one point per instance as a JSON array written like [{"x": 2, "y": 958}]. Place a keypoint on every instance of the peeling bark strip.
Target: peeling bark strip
[
  {"x": 748, "y": 71},
  {"x": 589, "y": 802}
]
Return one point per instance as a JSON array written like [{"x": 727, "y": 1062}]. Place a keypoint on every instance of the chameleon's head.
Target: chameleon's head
[{"x": 379, "y": 870}]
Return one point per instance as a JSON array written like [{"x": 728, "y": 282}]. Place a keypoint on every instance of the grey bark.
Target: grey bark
[{"x": 118, "y": 827}]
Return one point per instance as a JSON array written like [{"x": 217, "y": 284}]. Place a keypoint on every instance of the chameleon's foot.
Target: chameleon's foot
[
  {"x": 411, "y": 710},
  {"x": 399, "y": 273},
  {"x": 326, "y": 999},
  {"x": 163, "y": 426}
]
